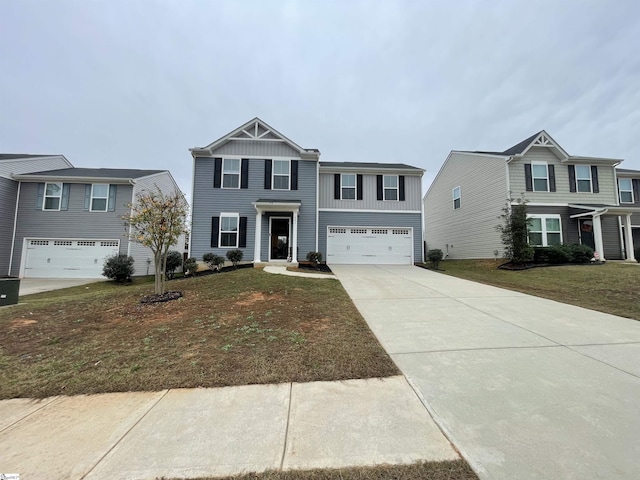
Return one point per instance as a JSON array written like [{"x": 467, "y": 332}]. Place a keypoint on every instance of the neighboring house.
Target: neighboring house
[
  {"x": 256, "y": 190},
  {"x": 571, "y": 199},
  {"x": 629, "y": 195},
  {"x": 67, "y": 220}
]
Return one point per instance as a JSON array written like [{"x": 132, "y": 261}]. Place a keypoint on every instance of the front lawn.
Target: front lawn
[
  {"x": 233, "y": 328},
  {"x": 611, "y": 288}
]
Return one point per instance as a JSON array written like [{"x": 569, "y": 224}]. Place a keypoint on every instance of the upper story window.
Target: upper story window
[
  {"x": 99, "y": 197},
  {"x": 229, "y": 230},
  {"x": 231, "y": 173},
  {"x": 545, "y": 230},
  {"x": 281, "y": 174},
  {"x": 625, "y": 187},
  {"x": 540, "y": 174},
  {"x": 583, "y": 178},
  {"x": 390, "y": 187},
  {"x": 456, "y": 198},
  {"x": 348, "y": 186},
  {"x": 52, "y": 196}
]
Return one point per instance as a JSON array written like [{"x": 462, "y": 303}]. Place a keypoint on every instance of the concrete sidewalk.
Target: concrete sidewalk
[
  {"x": 30, "y": 286},
  {"x": 524, "y": 387},
  {"x": 190, "y": 433}
]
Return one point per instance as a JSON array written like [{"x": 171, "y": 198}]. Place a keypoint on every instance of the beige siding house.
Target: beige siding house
[{"x": 570, "y": 199}]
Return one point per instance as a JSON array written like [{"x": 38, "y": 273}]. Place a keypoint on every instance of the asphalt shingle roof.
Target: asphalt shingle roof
[
  {"x": 97, "y": 172},
  {"x": 390, "y": 166},
  {"x": 16, "y": 156}
]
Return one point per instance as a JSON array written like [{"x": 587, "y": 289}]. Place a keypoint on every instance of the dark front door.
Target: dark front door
[
  {"x": 279, "y": 238},
  {"x": 586, "y": 233}
]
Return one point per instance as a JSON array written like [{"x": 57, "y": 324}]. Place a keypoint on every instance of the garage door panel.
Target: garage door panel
[
  {"x": 67, "y": 258},
  {"x": 370, "y": 245}
]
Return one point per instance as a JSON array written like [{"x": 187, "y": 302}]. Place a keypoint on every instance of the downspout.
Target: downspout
[
  {"x": 317, "y": 200},
  {"x": 133, "y": 198},
  {"x": 15, "y": 224}
]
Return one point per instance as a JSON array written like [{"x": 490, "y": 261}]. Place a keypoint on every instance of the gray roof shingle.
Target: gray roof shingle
[{"x": 390, "y": 166}]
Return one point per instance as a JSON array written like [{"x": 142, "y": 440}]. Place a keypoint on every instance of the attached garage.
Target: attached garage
[
  {"x": 370, "y": 245},
  {"x": 67, "y": 258}
]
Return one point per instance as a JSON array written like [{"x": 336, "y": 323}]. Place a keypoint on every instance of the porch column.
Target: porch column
[
  {"x": 256, "y": 251},
  {"x": 597, "y": 236},
  {"x": 628, "y": 238},
  {"x": 294, "y": 244}
]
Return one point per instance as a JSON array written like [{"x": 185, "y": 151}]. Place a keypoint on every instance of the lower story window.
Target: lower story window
[
  {"x": 545, "y": 230},
  {"x": 229, "y": 230}
]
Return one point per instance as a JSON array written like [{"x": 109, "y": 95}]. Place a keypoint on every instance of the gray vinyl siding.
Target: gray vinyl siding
[
  {"x": 8, "y": 192},
  {"x": 570, "y": 232},
  {"x": 469, "y": 231},
  {"x": 606, "y": 181},
  {"x": 69, "y": 224},
  {"x": 256, "y": 148},
  {"x": 413, "y": 194},
  {"x": 611, "y": 240},
  {"x": 367, "y": 219},
  {"x": 29, "y": 165},
  {"x": 209, "y": 202}
]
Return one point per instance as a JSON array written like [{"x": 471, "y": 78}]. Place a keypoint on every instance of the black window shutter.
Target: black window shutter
[
  {"x": 359, "y": 187},
  {"x": 111, "y": 206},
  {"x": 215, "y": 229},
  {"x": 87, "y": 196},
  {"x": 244, "y": 173},
  {"x": 267, "y": 174},
  {"x": 40, "y": 197},
  {"x": 636, "y": 190},
  {"x": 294, "y": 174},
  {"x": 217, "y": 173},
  {"x": 594, "y": 179},
  {"x": 572, "y": 178},
  {"x": 336, "y": 186},
  {"x": 552, "y": 178},
  {"x": 64, "y": 201},
  {"x": 379, "y": 189},
  {"x": 528, "y": 179},
  {"x": 242, "y": 241},
  {"x": 401, "y": 188}
]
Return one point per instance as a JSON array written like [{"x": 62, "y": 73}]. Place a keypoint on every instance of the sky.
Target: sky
[{"x": 136, "y": 83}]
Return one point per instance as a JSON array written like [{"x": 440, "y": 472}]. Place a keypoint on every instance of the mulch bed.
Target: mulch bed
[
  {"x": 320, "y": 267},
  {"x": 526, "y": 266},
  {"x": 159, "y": 298}
]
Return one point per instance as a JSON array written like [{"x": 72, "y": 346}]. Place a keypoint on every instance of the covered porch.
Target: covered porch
[{"x": 282, "y": 234}]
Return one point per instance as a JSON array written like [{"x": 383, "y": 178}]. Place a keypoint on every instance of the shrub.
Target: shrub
[
  {"x": 435, "y": 256},
  {"x": 314, "y": 257},
  {"x": 559, "y": 254},
  {"x": 174, "y": 260},
  {"x": 214, "y": 261},
  {"x": 235, "y": 256},
  {"x": 118, "y": 268},
  {"x": 190, "y": 266},
  {"x": 541, "y": 254},
  {"x": 580, "y": 253},
  {"x": 514, "y": 232}
]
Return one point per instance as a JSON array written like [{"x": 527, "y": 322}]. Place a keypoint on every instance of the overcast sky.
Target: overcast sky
[{"x": 136, "y": 83}]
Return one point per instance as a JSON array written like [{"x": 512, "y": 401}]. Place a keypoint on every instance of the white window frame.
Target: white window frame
[
  {"x": 630, "y": 190},
  {"x": 578, "y": 179},
  {"x": 544, "y": 231},
  {"x": 106, "y": 199},
  {"x": 458, "y": 197},
  {"x": 274, "y": 174},
  {"x": 533, "y": 176},
  {"x": 236, "y": 231},
  {"x": 385, "y": 188},
  {"x": 45, "y": 196},
  {"x": 343, "y": 186},
  {"x": 224, "y": 160}
]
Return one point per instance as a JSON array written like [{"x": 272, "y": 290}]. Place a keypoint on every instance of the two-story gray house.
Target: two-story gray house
[
  {"x": 629, "y": 196},
  {"x": 256, "y": 190},
  {"x": 571, "y": 199},
  {"x": 64, "y": 221}
]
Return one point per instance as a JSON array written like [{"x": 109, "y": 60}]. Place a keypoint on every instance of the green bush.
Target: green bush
[
  {"x": 580, "y": 253},
  {"x": 235, "y": 256},
  {"x": 174, "y": 260},
  {"x": 314, "y": 257},
  {"x": 214, "y": 261},
  {"x": 118, "y": 268},
  {"x": 190, "y": 266},
  {"x": 435, "y": 256},
  {"x": 567, "y": 253}
]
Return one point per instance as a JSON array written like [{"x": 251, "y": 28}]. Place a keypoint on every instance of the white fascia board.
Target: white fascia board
[
  {"x": 67, "y": 179},
  {"x": 418, "y": 172},
  {"x": 593, "y": 160},
  {"x": 363, "y": 210}
]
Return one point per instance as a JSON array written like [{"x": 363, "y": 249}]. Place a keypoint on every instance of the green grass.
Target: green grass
[{"x": 611, "y": 288}]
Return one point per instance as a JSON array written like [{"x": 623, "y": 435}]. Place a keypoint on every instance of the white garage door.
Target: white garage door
[
  {"x": 64, "y": 258},
  {"x": 369, "y": 245}
]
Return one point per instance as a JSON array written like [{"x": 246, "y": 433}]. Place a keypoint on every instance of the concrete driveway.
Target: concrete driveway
[
  {"x": 524, "y": 387},
  {"x": 29, "y": 286}
]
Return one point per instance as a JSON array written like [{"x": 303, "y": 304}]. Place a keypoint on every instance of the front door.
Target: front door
[
  {"x": 279, "y": 238},
  {"x": 586, "y": 233}
]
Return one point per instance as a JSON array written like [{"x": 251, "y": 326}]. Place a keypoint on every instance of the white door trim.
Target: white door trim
[{"x": 289, "y": 238}]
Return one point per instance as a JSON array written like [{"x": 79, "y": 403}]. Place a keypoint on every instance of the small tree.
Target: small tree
[
  {"x": 174, "y": 260},
  {"x": 235, "y": 256},
  {"x": 514, "y": 231},
  {"x": 118, "y": 268},
  {"x": 156, "y": 221}
]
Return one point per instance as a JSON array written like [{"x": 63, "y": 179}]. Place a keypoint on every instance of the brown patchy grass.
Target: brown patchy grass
[
  {"x": 233, "y": 328},
  {"x": 448, "y": 470},
  {"x": 611, "y": 288}
]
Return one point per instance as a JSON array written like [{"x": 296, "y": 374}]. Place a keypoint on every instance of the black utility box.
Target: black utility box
[{"x": 9, "y": 290}]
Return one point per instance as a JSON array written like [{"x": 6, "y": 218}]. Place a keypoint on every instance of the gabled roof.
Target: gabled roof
[
  {"x": 17, "y": 156},
  {"x": 627, "y": 172},
  {"x": 370, "y": 166},
  {"x": 256, "y": 130},
  {"x": 90, "y": 173}
]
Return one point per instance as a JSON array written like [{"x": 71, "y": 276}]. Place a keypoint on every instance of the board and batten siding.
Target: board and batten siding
[
  {"x": 413, "y": 193},
  {"x": 469, "y": 231},
  {"x": 67, "y": 224},
  {"x": 8, "y": 195},
  {"x": 209, "y": 202},
  {"x": 32, "y": 164},
  {"x": 256, "y": 148},
  {"x": 370, "y": 219},
  {"x": 606, "y": 181}
]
